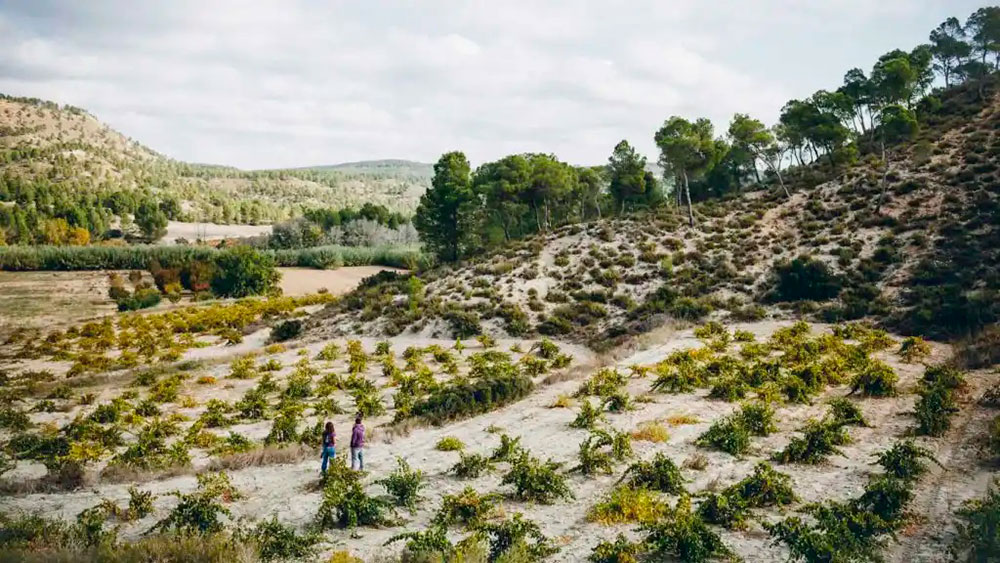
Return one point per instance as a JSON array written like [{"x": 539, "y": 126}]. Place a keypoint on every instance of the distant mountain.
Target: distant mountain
[
  {"x": 68, "y": 148},
  {"x": 384, "y": 166}
]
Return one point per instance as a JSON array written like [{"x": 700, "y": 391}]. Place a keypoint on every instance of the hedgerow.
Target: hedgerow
[{"x": 469, "y": 398}]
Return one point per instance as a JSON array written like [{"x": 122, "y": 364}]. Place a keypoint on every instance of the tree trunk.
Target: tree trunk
[
  {"x": 538, "y": 219},
  {"x": 687, "y": 193},
  {"x": 756, "y": 173},
  {"x": 885, "y": 176}
]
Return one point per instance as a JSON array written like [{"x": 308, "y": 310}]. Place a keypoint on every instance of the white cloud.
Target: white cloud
[{"x": 267, "y": 83}]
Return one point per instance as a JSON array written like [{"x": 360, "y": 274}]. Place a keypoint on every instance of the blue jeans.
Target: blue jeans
[
  {"x": 357, "y": 454},
  {"x": 329, "y": 453}
]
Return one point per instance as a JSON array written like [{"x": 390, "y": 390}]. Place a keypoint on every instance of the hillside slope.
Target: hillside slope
[
  {"x": 42, "y": 141},
  {"x": 924, "y": 263}
]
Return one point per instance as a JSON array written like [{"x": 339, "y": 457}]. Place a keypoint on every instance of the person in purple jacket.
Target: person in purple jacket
[{"x": 358, "y": 444}]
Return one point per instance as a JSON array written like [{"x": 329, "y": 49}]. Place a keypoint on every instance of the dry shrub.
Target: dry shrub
[
  {"x": 267, "y": 455},
  {"x": 680, "y": 419},
  {"x": 119, "y": 473},
  {"x": 651, "y": 431}
]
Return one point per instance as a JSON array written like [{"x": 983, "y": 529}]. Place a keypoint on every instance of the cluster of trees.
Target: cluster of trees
[
  {"x": 41, "y": 212},
  {"x": 524, "y": 194},
  {"x": 372, "y": 225},
  {"x": 519, "y": 195}
]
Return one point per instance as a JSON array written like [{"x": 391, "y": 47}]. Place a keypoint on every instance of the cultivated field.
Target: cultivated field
[{"x": 254, "y": 410}]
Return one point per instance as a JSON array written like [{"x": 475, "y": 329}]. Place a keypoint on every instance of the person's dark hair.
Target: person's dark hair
[
  {"x": 328, "y": 429},
  {"x": 357, "y": 419}
]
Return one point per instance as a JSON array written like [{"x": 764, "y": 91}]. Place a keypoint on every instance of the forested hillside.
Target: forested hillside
[
  {"x": 60, "y": 162},
  {"x": 876, "y": 200}
]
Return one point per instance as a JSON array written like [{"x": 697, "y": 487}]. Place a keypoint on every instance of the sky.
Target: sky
[{"x": 289, "y": 83}]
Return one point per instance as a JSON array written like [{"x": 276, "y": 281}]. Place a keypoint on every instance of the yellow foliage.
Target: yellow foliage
[
  {"x": 651, "y": 431},
  {"x": 625, "y": 504}
]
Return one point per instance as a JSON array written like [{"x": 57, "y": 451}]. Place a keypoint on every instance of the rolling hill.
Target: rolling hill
[{"x": 65, "y": 146}]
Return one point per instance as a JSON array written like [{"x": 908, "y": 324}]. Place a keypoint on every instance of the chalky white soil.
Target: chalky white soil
[{"x": 289, "y": 490}]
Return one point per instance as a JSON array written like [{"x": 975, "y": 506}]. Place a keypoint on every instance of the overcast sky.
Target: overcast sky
[{"x": 263, "y": 84}]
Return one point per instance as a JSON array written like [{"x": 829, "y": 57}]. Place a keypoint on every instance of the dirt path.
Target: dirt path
[
  {"x": 965, "y": 475},
  {"x": 302, "y": 281}
]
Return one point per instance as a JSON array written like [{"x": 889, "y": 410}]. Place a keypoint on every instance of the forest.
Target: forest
[{"x": 870, "y": 113}]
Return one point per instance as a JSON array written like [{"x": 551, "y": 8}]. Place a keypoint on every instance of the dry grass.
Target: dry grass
[
  {"x": 218, "y": 548},
  {"x": 697, "y": 462},
  {"x": 268, "y": 455},
  {"x": 681, "y": 419},
  {"x": 562, "y": 402},
  {"x": 651, "y": 431}
]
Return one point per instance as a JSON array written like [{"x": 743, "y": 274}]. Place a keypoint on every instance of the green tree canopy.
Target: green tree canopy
[{"x": 446, "y": 208}]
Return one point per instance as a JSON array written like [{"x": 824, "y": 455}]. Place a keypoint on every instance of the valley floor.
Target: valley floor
[{"x": 290, "y": 492}]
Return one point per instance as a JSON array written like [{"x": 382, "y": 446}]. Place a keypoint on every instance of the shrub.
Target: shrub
[
  {"x": 659, "y": 474},
  {"x": 464, "y": 398},
  {"x": 537, "y": 481},
  {"x": 978, "y": 538},
  {"x": 346, "y": 505},
  {"x": 876, "y": 379},
  {"x": 724, "y": 510},
  {"x": 619, "y": 551},
  {"x": 329, "y": 353},
  {"x": 517, "y": 536},
  {"x": 470, "y": 466},
  {"x": 404, "y": 484},
  {"x": 843, "y": 412},
  {"x": 244, "y": 271},
  {"x": 805, "y": 278},
  {"x": 651, "y": 431},
  {"x": 730, "y": 388},
  {"x": 198, "y": 512},
  {"x": 626, "y": 504},
  {"x": 277, "y": 542},
  {"x": 467, "y": 508},
  {"x": 819, "y": 440},
  {"x": 728, "y": 434},
  {"x": 588, "y": 417},
  {"x": 509, "y": 449},
  {"x": 683, "y": 536},
  {"x": 449, "y": 444},
  {"x": 765, "y": 487},
  {"x": 286, "y": 330},
  {"x": 913, "y": 349},
  {"x": 758, "y": 418},
  {"x": 904, "y": 460},
  {"x": 284, "y": 429}
]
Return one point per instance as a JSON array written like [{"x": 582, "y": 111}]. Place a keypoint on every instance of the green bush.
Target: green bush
[
  {"x": 588, "y": 417},
  {"x": 619, "y": 551},
  {"x": 346, "y": 505},
  {"x": 244, "y": 271},
  {"x": 758, "y": 418},
  {"x": 449, "y": 444},
  {"x": 286, "y": 330},
  {"x": 537, "y": 481},
  {"x": 659, "y": 474},
  {"x": 510, "y": 449},
  {"x": 278, "y": 542},
  {"x": 846, "y": 413},
  {"x": 805, "y": 278},
  {"x": 978, "y": 537},
  {"x": 819, "y": 440},
  {"x": 517, "y": 538},
  {"x": 462, "y": 399},
  {"x": 904, "y": 460},
  {"x": 470, "y": 466},
  {"x": 728, "y": 434},
  {"x": 876, "y": 379},
  {"x": 467, "y": 508},
  {"x": 404, "y": 484},
  {"x": 683, "y": 536}
]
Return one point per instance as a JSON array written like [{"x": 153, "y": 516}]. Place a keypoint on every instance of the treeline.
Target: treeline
[
  {"x": 41, "y": 212},
  {"x": 139, "y": 257},
  {"x": 466, "y": 210}
]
